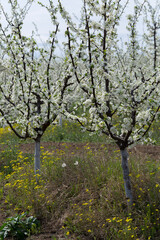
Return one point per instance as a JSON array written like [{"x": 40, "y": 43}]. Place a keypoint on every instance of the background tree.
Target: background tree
[
  {"x": 152, "y": 38},
  {"x": 33, "y": 86},
  {"x": 119, "y": 91}
]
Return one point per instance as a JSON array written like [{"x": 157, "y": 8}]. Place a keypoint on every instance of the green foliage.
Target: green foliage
[
  {"x": 9, "y": 153},
  {"x": 71, "y": 132},
  {"x": 7, "y": 136},
  {"x": 155, "y": 129},
  {"x": 19, "y": 227}
]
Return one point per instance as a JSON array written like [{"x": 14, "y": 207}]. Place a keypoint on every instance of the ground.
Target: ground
[{"x": 47, "y": 231}]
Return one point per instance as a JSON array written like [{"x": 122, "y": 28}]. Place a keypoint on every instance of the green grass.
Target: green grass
[
  {"x": 83, "y": 199},
  {"x": 71, "y": 132},
  {"x": 155, "y": 129}
]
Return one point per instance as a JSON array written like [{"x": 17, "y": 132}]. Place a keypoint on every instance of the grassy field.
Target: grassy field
[{"x": 80, "y": 192}]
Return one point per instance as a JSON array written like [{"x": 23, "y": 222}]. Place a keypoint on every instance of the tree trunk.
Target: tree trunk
[
  {"x": 60, "y": 121},
  {"x": 127, "y": 182},
  {"x": 37, "y": 157}
]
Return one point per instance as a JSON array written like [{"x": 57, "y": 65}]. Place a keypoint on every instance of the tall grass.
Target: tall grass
[{"x": 80, "y": 191}]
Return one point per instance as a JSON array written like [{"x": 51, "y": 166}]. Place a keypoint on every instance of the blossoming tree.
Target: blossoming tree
[
  {"x": 120, "y": 94},
  {"x": 152, "y": 37},
  {"x": 33, "y": 84}
]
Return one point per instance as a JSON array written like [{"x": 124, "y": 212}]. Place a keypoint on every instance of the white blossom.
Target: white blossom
[
  {"x": 76, "y": 163},
  {"x": 64, "y": 165}
]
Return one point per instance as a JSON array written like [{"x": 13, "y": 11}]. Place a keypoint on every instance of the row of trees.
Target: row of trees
[{"x": 116, "y": 89}]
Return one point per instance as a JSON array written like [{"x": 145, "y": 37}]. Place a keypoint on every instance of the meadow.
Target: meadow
[{"x": 80, "y": 193}]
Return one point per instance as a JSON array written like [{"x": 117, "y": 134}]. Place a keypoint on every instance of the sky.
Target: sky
[{"x": 40, "y": 17}]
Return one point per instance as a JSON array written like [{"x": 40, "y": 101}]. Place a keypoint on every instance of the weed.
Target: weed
[
  {"x": 81, "y": 189},
  {"x": 19, "y": 227}
]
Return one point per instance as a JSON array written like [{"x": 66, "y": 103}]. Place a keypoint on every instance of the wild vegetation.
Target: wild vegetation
[
  {"x": 80, "y": 193},
  {"x": 108, "y": 96},
  {"x": 116, "y": 89}
]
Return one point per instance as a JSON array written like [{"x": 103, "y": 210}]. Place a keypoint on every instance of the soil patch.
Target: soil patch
[{"x": 80, "y": 148}]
